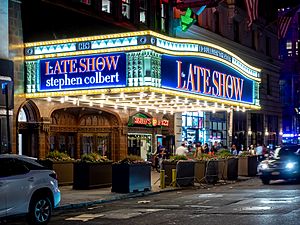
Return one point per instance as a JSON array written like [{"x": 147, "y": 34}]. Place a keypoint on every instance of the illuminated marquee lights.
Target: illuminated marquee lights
[{"x": 138, "y": 41}]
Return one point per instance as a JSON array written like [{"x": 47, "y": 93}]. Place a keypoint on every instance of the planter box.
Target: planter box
[
  {"x": 167, "y": 166},
  {"x": 199, "y": 171},
  {"x": 92, "y": 175},
  {"x": 128, "y": 178},
  {"x": 185, "y": 173},
  {"x": 63, "y": 169},
  {"x": 247, "y": 166},
  {"x": 212, "y": 171},
  {"x": 228, "y": 169}
]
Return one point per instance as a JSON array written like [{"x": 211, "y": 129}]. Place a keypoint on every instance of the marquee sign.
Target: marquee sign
[
  {"x": 83, "y": 72},
  {"x": 206, "y": 77}
]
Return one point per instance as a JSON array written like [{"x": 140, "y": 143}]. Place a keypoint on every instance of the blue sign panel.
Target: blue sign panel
[
  {"x": 206, "y": 77},
  {"x": 83, "y": 72}
]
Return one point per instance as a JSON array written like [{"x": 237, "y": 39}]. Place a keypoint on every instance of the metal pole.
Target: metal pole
[{"x": 7, "y": 118}]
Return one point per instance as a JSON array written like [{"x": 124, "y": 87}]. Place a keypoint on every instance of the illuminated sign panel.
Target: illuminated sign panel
[
  {"x": 83, "y": 72},
  {"x": 206, "y": 77}
]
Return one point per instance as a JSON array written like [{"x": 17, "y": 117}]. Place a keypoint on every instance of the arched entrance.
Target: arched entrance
[
  {"x": 80, "y": 130},
  {"x": 28, "y": 130}
]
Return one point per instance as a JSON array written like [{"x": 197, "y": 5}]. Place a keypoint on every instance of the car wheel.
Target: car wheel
[
  {"x": 265, "y": 181},
  {"x": 40, "y": 210}
]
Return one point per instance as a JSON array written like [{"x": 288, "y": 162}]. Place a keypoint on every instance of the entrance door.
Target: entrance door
[{"x": 140, "y": 144}]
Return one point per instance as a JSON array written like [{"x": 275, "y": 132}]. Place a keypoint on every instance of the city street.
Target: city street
[{"x": 246, "y": 202}]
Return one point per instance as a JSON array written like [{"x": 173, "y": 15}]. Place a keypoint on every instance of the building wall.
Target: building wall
[{"x": 16, "y": 54}]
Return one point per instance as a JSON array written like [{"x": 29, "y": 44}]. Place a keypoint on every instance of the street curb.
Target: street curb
[{"x": 127, "y": 196}]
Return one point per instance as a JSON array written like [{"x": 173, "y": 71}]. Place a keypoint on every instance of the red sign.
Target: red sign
[{"x": 150, "y": 121}]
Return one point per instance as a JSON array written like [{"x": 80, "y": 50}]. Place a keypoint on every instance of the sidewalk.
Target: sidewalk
[
  {"x": 80, "y": 198},
  {"x": 71, "y": 198}
]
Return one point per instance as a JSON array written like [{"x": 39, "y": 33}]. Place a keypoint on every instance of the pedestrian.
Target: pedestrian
[
  {"x": 206, "y": 148},
  {"x": 259, "y": 152},
  {"x": 234, "y": 150},
  {"x": 199, "y": 150},
  {"x": 182, "y": 150},
  {"x": 214, "y": 149}
]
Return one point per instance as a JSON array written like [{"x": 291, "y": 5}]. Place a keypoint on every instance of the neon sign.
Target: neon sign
[
  {"x": 150, "y": 121},
  {"x": 205, "y": 77},
  {"x": 83, "y": 72}
]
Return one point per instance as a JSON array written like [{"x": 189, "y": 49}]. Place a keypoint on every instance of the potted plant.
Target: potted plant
[
  {"x": 62, "y": 164},
  {"x": 247, "y": 164},
  {"x": 131, "y": 174},
  {"x": 92, "y": 171}
]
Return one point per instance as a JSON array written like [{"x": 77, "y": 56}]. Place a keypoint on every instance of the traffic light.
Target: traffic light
[{"x": 187, "y": 19}]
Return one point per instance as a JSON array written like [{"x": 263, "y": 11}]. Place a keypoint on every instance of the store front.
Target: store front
[{"x": 94, "y": 86}]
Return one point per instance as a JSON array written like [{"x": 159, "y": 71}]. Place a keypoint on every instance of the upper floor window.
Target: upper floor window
[
  {"x": 268, "y": 46},
  {"x": 289, "y": 48},
  {"x": 107, "y": 6},
  {"x": 126, "y": 8},
  {"x": 163, "y": 17},
  {"x": 87, "y": 2},
  {"x": 217, "y": 21},
  {"x": 268, "y": 84},
  {"x": 236, "y": 31},
  {"x": 143, "y": 11}
]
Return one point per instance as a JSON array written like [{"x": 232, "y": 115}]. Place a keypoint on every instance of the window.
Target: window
[
  {"x": 289, "y": 48},
  {"x": 143, "y": 11},
  {"x": 107, "y": 6},
  {"x": 87, "y": 2},
  {"x": 236, "y": 31},
  {"x": 126, "y": 8},
  {"x": 163, "y": 17},
  {"x": 268, "y": 84},
  {"x": 217, "y": 21},
  {"x": 268, "y": 46}
]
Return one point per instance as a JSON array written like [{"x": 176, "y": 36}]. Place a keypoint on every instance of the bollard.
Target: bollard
[
  {"x": 162, "y": 179},
  {"x": 174, "y": 177}
]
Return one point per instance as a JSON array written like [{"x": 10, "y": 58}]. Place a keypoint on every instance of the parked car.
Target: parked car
[
  {"x": 27, "y": 188},
  {"x": 285, "y": 164}
]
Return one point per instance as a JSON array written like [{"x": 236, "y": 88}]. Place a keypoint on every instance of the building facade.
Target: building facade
[{"x": 223, "y": 26}]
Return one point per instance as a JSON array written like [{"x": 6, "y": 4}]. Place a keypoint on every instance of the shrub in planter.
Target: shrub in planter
[
  {"x": 131, "y": 174},
  {"x": 92, "y": 171},
  {"x": 62, "y": 164}
]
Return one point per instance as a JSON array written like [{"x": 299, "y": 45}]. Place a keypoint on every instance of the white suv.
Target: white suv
[{"x": 28, "y": 188}]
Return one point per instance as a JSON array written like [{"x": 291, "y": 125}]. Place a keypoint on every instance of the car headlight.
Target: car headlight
[{"x": 290, "y": 165}]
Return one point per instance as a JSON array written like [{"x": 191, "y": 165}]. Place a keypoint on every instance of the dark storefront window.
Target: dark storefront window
[{"x": 257, "y": 128}]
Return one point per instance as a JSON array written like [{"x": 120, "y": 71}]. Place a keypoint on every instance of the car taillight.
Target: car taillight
[{"x": 53, "y": 175}]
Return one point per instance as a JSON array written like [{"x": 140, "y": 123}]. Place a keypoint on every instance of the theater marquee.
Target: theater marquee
[
  {"x": 83, "y": 72},
  {"x": 206, "y": 77}
]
